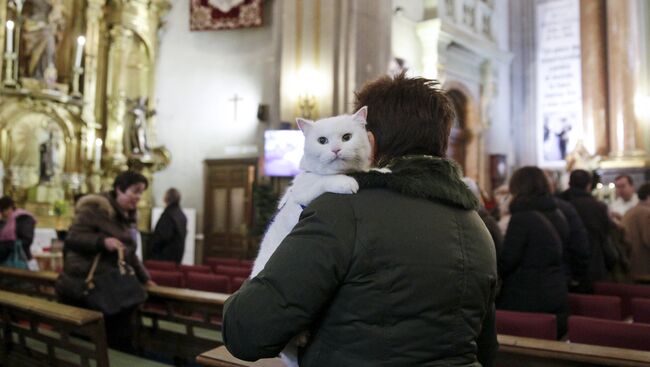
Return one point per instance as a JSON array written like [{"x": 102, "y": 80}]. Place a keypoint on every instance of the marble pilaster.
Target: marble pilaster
[
  {"x": 593, "y": 34},
  {"x": 623, "y": 60}
]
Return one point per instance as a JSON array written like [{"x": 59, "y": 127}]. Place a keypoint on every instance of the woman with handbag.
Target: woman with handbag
[
  {"x": 16, "y": 235},
  {"x": 101, "y": 270}
]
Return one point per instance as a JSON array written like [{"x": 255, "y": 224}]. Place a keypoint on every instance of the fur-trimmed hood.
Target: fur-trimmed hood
[
  {"x": 99, "y": 202},
  {"x": 426, "y": 177},
  {"x": 105, "y": 203}
]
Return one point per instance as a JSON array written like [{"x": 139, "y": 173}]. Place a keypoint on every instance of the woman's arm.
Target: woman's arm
[
  {"x": 296, "y": 284},
  {"x": 84, "y": 235}
]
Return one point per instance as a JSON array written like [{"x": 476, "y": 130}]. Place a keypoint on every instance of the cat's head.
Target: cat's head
[{"x": 336, "y": 144}]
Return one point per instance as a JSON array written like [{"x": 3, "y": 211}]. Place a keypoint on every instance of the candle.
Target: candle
[
  {"x": 98, "y": 153},
  {"x": 10, "y": 36},
  {"x": 81, "y": 41}
]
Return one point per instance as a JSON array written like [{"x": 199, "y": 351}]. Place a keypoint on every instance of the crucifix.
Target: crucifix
[{"x": 234, "y": 100}]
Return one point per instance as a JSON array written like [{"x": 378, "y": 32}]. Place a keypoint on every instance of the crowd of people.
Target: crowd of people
[{"x": 554, "y": 242}]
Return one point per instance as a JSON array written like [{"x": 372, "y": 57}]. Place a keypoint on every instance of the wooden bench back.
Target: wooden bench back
[
  {"x": 38, "y": 332},
  {"x": 36, "y": 283},
  {"x": 520, "y": 351}
]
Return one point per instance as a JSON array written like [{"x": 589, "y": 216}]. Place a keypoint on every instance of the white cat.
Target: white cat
[{"x": 333, "y": 146}]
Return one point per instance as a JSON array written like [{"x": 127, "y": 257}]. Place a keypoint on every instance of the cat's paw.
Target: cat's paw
[{"x": 344, "y": 185}]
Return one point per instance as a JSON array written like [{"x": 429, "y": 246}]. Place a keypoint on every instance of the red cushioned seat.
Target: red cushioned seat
[
  {"x": 528, "y": 324},
  {"x": 160, "y": 265},
  {"x": 609, "y": 333},
  {"x": 233, "y": 271},
  {"x": 597, "y": 306},
  {"x": 625, "y": 291},
  {"x": 640, "y": 310},
  {"x": 208, "y": 282},
  {"x": 167, "y": 278},
  {"x": 236, "y": 283},
  {"x": 247, "y": 263},
  {"x": 214, "y": 261},
  {"x": 195, "y": 269}
]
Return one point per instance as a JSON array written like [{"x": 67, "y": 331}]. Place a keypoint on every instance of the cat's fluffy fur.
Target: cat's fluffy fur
[{"x": 333, "y": 146}]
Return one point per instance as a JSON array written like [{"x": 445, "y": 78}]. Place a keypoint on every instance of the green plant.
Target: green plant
[
  {"x": 60, "y": 208},
  {"x": 265, "y": 201}
]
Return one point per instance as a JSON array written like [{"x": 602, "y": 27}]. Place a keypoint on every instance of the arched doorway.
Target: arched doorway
[{"x": 460, "y": 134}]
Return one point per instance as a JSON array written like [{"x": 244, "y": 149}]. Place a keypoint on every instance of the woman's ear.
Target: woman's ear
[{"x": 373, "y": 146}]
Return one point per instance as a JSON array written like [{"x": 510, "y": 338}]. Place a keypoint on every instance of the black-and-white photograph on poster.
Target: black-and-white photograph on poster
[{"x": 559, "y": 89}]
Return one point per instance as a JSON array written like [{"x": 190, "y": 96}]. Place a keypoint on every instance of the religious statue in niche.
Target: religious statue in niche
[
  {"x": 224, "y": 14},
  {"x": 138, "y": 136},
  {"x": 50, "y": 147},
  {"x": 43, "y": 30}
]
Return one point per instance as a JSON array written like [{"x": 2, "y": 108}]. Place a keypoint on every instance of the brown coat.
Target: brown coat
[
  {"x": 98, "y": 217},
  {"x": 637, "y": 234}
]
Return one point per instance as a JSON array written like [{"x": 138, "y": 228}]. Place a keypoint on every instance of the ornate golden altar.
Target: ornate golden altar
[{"x": 77, "y": 100}]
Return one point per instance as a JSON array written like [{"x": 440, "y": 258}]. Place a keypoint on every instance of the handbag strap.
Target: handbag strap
[{"x": 121, "y": 264}]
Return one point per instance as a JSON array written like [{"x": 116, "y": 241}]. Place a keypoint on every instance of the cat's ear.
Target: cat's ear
[
  {"x": 361, "y": 115},
  {"x": 304, "y": 124}
]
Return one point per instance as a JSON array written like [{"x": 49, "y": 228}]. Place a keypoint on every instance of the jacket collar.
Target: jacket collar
[
  {"x": 426, "y": 177},
  {"x": 572, "y": 192}
]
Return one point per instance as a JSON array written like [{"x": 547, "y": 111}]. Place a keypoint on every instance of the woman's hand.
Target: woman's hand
[
  {"x": 112, "y": 244},
  {"x": 150, "y": 283}
]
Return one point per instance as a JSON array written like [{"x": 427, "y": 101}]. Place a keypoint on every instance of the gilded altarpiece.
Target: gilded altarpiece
[{"x": 76, "y": 102}]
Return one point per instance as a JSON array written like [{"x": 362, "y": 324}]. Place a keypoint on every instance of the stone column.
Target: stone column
[
  {"x": 593, "y": 40},
  {"x": 345, "y": 42},
  {"x": 623, "y": 60}
]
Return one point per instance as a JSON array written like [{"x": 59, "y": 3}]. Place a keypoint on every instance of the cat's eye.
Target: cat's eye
[
  {"x": 323, "y": 140},
  {"x": 346, "y": 137}
]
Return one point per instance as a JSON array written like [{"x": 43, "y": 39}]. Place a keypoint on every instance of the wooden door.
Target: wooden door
[{"x": 228, "y": 206}]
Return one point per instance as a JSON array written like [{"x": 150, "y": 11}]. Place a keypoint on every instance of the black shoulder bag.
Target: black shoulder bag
[{"x": 115, "y": 290}]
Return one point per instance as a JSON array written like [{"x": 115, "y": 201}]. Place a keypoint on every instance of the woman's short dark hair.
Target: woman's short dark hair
[
  {"x": 6, "y": 202},
  {"x": 644, "y": 191},
  {"x": 172, "y": 196},
  {"x": 129, "y": 178},
  {"x": 407, "y": 116},
  {"x": 580, "y": 179},
  {"x": 529, "y": 181}
]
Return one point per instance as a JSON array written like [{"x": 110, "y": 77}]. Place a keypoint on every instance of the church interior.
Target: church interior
[{"x": 202, "y": 96}]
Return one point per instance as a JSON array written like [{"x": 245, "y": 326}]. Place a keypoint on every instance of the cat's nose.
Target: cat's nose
[{"x": 336, "y": 150}]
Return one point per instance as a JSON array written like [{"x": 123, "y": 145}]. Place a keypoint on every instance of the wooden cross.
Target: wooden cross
[{"x": 234, "y": 100}]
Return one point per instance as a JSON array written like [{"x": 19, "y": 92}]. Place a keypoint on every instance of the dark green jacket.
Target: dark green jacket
[{"x": 402, "y": 273}]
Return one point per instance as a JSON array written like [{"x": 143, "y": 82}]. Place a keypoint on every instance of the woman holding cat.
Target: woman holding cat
[{"x": 403, "y": 273}]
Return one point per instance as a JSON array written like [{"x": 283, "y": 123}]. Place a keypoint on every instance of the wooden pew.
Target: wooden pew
[
  {"x": 189, "y": 311},
  {"x": 520, "y": 351},
  {"x": 38, "y": 332},
  {"x": 186, "y": 311},
  {"x": 35, "y": 283},
  {"x": 513, "y": 352},
  {"x": 220, "y": 357}
]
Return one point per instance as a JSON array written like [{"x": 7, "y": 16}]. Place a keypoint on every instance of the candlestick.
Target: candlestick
[
  {"x": 81, "y": 41},
  {"x": 10, "y": 36},
  {"x": 98, "y": 153}
]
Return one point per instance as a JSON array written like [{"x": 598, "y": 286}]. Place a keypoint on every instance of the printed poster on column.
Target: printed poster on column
[{"x": 559, "y": 78}]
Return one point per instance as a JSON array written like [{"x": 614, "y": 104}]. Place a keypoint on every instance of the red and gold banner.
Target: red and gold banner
[{"x": 224, "y": 14}]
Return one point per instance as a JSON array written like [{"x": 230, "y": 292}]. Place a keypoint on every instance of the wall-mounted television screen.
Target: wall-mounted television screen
[{"x": 282, "y": 152}]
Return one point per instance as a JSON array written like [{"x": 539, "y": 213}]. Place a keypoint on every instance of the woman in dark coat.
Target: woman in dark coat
[
  {"x": 102, "y": 224},
  {"x": 168, "y": 238},
  {"x": 531, "y": 263},
  {"x": 403, "y": 273}
]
